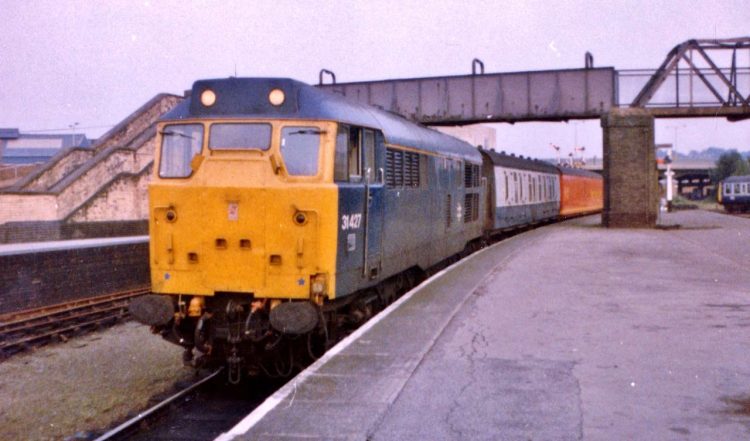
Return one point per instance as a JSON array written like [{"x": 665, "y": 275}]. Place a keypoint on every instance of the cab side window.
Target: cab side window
[
  {"x": 354, "y": 153},
  {"x": 369, "y": 151},
  {"x": 348, "y": 157}
]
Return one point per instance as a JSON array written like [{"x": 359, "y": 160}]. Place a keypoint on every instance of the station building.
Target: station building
[{"x": 18, "y": 148}]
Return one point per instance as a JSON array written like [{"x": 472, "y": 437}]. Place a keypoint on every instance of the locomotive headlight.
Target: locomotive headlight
[
  {"x": 171, "y": 215},
  {"x": 276, "y": 97},
  {"x": 208, "y": 98}
]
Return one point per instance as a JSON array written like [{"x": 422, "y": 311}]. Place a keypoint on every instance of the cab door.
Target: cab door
[
  {"x": 374, "y": 175},
  {"x": 359, "y": 175}
]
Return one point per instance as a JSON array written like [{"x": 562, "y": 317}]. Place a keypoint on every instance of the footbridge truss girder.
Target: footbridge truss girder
[{"x": 555, "y": 95}]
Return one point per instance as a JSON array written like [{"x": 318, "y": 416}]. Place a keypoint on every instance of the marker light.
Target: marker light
[
  {"x": 276, "y": 97},
  {"x": 300, "y": 218},
  {"x": 208, "y": 98},
  {"x": 318, "y": 285}
]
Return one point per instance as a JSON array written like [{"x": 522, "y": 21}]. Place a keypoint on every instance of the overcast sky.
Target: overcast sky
[{"x": 93, "y": 63}]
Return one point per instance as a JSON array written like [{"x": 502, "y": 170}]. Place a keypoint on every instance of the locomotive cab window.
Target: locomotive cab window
[
  {"x": 299, "y": 148},
  {"x": 348, "y": 160},
  {"x": 235, "y": 136},
  {"x": 179, "y": 144},
  {"x": 369, "y": 154}
]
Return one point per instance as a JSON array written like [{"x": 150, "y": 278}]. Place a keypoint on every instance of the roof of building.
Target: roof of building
[
  {"x": 24, "y": 148},
  {"x": 8, "y": 133}
]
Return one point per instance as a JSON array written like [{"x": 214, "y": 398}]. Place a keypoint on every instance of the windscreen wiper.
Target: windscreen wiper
[
  {"x": 170, "y": 133},
  {"x": 308, "y": 132}
]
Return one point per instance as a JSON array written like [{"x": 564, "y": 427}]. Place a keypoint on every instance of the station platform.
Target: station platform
[
  {"x": 64, "y": 245},
  {"x": 41, "y": 274},
  {"x": 566, "y": 332}
]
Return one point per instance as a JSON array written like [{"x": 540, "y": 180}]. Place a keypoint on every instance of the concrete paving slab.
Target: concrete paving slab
[{"x": 570, "y": 331}]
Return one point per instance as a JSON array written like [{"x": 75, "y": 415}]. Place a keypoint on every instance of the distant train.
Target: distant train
[
  {"x": 734, "y": 193},
  {"x": 280, "y": 213}
]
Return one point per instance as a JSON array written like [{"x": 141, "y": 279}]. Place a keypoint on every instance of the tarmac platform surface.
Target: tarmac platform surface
[{"x": 566, "y": 332}]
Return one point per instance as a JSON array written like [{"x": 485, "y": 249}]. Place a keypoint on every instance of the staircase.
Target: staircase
[{"x": 89, "y": 192}]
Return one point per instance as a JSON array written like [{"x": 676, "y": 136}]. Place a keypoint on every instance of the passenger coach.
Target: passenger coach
[
  {"x": 734, "y": 193},
  {"x": 523, "y": 191}
]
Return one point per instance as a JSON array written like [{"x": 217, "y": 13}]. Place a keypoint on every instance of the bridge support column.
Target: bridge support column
[{"x": 631, "y": 188}]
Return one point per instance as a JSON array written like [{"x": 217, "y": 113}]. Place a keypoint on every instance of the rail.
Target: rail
[
  {"x": 36, "y": 327},
  {"x": 131, "y": 423}
]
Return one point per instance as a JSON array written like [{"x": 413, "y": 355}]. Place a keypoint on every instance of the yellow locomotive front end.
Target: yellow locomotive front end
[
  {"x": 243, "y": 228},
  {"x": 240, "y": 207}
]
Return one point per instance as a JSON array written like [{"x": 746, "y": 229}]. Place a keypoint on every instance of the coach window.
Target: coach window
[
  {"x": 539, "y": 188},
  {"x": 179, "y": 144},
  {"x": 299, "y": 148},
  {"x": 506, "y": 186},
  {"x": 531, "y": 188}
]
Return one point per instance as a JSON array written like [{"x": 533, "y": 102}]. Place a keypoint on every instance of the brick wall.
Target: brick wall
[
  {"x": 39, "y": 279},
  {"x": 631, "y": 197},
  {"x": 10, "y": 174},
  {"x": 126, "y": 198},
  {"x": 18, "y": 207},
  {"x": 60, "y": 166},
  {"x": 42, "y": 231}
]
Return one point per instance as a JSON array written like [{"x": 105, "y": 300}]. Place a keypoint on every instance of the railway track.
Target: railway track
[
  {"x": 36, "y": 327},
  {"x": 200, "y": 411}
]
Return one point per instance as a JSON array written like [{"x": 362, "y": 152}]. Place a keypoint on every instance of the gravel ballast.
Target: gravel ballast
[{"x": 69, "y": 390}]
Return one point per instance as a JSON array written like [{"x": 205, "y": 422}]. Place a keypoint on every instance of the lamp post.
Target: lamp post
[
  {"x": 72, "y": 128},
  {"x": 668, "y": 174}
]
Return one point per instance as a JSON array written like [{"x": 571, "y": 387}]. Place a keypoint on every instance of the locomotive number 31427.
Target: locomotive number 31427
[{"x": 351, "y": 221}]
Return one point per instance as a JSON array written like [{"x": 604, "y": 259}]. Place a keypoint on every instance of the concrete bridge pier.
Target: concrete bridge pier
[{"x": 631, "y": 187}]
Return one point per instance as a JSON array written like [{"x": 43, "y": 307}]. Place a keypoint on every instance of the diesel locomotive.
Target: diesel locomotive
[{"x": 280, "y": 213}]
